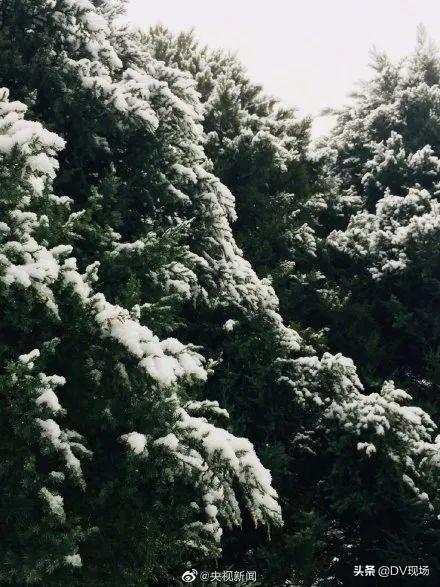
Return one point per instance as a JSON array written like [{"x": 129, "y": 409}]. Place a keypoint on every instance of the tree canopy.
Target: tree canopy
[{"x": 192, "y": 372}]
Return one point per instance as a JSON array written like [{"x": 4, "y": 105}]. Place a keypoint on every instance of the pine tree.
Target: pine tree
[
  {"x": 258, "y": 149},
  {"x": 161, "y": 479},
  {"x": 379, "y": 258},
  {"x": 386, "y": 165}
]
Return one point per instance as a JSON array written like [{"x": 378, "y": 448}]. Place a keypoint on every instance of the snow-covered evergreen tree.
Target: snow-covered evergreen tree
[
  {"x": 385, "y": 165},
  {"x": 258, "y": 148},
  {"x": 161, "y": 478}
]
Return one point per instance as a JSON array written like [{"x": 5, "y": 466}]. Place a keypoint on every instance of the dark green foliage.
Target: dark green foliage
[{"x": 151, "y": 172}]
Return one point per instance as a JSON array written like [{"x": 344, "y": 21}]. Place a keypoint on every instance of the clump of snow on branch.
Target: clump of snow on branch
[
  {"x": 217, "y": 460},
  {"x": 388, "y": 239},
  {"x": 381, "y": 422}
]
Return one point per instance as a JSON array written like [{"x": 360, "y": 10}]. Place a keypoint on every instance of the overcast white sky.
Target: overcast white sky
[{"x": 309, "y": 53}]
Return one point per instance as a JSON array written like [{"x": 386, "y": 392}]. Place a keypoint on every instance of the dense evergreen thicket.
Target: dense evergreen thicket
[{"x": 160, "y": 217}]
